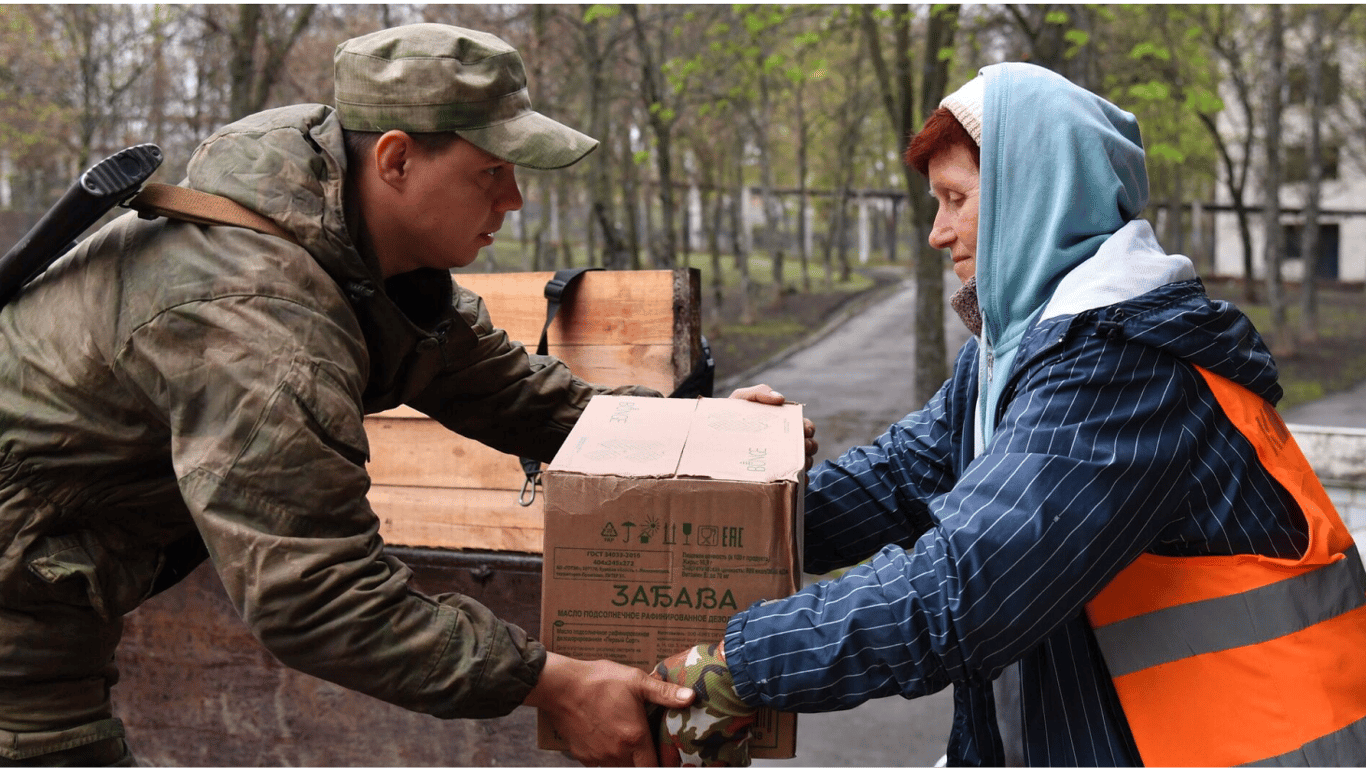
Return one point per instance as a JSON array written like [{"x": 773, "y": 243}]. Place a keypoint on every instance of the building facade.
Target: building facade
[{"x": 1342, "y": 234}]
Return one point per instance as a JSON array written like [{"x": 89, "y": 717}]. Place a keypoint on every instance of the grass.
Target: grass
[{"x": 1309, "y": 371}]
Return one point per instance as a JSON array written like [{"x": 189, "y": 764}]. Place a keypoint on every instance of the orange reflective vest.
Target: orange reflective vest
[{"x": 1229, "y": 660}]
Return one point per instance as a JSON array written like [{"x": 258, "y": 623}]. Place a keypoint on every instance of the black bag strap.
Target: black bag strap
[
  {"x": 700, "y": 381},
  {"x": 555, "y": 291}
]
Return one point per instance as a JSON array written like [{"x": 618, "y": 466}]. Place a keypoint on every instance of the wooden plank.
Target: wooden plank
[
  {"x": 611, "y": 366},
  {"x": 626, "y": 307},
  {"x": 477, "y": 518},
  {"x": 616, "y": 328},
  {"x": 687, "y": 336},
  {"x": 422, "y": 453}
]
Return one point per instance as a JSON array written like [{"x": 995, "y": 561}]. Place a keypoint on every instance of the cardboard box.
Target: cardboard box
[{"x": 664, "y": 518}]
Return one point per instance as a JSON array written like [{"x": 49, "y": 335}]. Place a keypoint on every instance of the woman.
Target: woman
[{"x": 1091, "y": 459}]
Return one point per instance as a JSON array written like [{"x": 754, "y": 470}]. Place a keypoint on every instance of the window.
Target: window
[
  {"x": 1296, "y": 163},
  {"x": 1298, "y": 81},
  {"x": 1326, "y": 267}
]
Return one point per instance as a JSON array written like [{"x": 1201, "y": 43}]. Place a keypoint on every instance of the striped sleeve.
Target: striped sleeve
[
  {"x": 1088, "y": 465},
  {"x": 879, "y": 494}
]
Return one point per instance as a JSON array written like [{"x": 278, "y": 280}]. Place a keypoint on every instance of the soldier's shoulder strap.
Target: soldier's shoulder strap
[{"x": 198, "y": 207}]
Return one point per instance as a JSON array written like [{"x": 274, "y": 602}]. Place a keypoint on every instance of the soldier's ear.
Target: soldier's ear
[{"x": 392, "y": 155}]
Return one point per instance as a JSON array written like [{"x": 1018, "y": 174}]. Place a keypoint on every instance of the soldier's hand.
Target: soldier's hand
[
  {"x": 599, "y": 707},
  {"x": 763, "y": 393},
  {"x": 715, "y": 730}
]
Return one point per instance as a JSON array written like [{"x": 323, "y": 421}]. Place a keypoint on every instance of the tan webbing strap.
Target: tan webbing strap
[{"x": 201, "y": 208}]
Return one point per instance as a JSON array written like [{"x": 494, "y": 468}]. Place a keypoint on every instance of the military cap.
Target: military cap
[{"x": 433, "y": 78}]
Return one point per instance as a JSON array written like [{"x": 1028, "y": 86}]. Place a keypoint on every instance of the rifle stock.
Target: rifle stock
[{"x": 103, "y": 186}]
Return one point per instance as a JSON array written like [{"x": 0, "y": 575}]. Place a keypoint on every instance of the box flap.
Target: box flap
[
  {"x": 743, "y": 440},
  {"x": 717, "y": 438},
  {"x": 627, "y": 437}
]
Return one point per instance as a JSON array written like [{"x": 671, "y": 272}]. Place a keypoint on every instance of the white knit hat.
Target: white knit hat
[{"x": 966, "y": 105}]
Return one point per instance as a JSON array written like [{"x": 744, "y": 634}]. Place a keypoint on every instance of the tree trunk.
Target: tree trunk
[
  {"x": 773, "y": 217},
  {"x": 1274, "y": 238},
  {"x": 258, "y": 56},
  {"x": 602, "y": 204},
  {"x": 715, "y": 201},
  {"x": 1309, "y": 235},
  {"x": 898, "y": 95},
  {"x": 664, "y": 249},
  {"x": 1225, "y": 28},
  {"x": 630, "y": 187},
  {"x": 840, "y": 232},
  {"x": 739, "y": 240}
]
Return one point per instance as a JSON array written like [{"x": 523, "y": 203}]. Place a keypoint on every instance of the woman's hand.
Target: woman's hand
[{"x": 763, "y": 393}]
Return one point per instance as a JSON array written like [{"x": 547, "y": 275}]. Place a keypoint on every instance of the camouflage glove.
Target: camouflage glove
[{"x": 715, "y": 730}]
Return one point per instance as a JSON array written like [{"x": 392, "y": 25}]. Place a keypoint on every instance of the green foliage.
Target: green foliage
[
  {"x": 1077, "y": 39},
  {"x": 680, "y": 72},
  {"x": 663, "y": 113},
  {"x": 1145, "y": 49},
  {"x": 1164, "y": 73},
  {"x": 1161, "y": 150},
  {"x": 1151, "y": 91},
  {"x": 596, "y": 12},
  {"x": 1200, "y": 100}
]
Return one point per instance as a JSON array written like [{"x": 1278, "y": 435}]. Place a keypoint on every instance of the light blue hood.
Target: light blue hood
[{"x": 1062, "y": 171}]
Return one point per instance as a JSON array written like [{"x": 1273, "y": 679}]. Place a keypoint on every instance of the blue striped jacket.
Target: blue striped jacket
[{"x": 1107, "y": 444}]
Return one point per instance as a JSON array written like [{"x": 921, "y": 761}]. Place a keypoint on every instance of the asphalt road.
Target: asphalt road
[
  {"x": 854, "y": 380},
  {"x": 1345, "y": 409}
]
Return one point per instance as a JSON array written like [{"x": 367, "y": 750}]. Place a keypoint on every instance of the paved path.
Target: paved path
[{"x": 1345, "y": 409}]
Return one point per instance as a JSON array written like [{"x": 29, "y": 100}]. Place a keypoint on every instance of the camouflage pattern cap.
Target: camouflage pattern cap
[{"x": 432, "y": 78}]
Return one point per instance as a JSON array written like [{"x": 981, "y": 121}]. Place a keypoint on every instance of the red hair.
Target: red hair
[{"x": 942, "y": 131}]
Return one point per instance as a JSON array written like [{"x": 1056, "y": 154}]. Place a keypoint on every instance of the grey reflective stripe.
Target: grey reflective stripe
[
  {"x": 1346, "y": 746},
  {"x": 1233, "y": 621}
]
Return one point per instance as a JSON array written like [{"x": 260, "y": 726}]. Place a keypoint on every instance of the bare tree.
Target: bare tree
[
  {"x": 661, "y": 114},
  {"x": 1318, "y": 55},
  {"x": 1225, "y": 29},
  {"x": 600, "y": 39},
  {"x": 1274, "y": 235},
  {"x": 100, "y": 40},
  {"x": 262, "y": 37},
  {"x": 906, "y": 112}
]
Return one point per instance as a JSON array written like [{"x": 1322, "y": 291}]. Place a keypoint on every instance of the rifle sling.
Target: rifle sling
[{"x": 198, "y": 207}]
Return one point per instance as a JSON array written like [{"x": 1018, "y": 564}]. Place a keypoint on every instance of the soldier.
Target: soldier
[{"x": 171, "y": 392}]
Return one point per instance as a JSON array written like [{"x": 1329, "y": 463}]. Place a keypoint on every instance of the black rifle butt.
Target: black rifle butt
[{"x": 105, "y": 185}]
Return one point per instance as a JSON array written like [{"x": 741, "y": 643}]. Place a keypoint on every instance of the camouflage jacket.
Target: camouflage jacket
[{"x": 166, "y": 379}]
